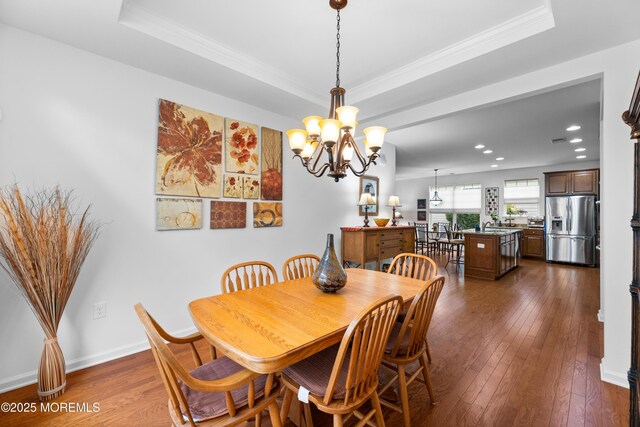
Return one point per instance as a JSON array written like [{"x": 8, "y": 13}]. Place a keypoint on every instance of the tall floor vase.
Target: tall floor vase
[{"x": 43, "y": 244}]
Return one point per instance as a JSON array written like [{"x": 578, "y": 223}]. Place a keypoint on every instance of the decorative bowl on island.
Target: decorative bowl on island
[{"x": 381, "y": 222}]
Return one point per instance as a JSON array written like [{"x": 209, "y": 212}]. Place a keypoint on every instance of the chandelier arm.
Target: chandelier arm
[
  {"x": 359, "y": 155},
  {"x": 319, "y": 151},
  {"x": 312, "y": 171},
  {"x": 321, "y": 171},
  {"x": 365, "y": 165}
]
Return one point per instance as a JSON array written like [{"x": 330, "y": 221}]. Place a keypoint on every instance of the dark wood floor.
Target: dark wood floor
[{"x": 524, "y": 350}]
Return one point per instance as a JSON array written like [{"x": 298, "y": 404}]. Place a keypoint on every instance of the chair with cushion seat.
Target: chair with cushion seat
[
  {"x": 407, "y": 344},
  {"x": 248, "y": 275},
  {"x": 300, "y": 266},
  {"x": 340, "y": 379},
  {"x": 417, "y": 267},
  {"x": 217, "y": 393}
]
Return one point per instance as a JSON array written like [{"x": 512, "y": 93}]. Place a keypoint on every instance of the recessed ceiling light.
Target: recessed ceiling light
[
  {"x": 581, "y": 157},
  {"x": 494, "y": 166},
  {"x": 487, "y": 151},
  {"x": 479, "y": 147},
  {"x": 573, "y": 127},
  {"x": 577, "y": 150},
  {"x": 499, "y": 158},
  {"x": 575, "y": 140}
]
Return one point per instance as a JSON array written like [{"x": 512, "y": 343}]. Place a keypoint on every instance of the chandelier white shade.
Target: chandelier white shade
[{"x": 334, "y": 135}]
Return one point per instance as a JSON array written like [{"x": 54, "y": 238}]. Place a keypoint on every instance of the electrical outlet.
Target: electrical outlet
[{"x": 99, "y": 310}]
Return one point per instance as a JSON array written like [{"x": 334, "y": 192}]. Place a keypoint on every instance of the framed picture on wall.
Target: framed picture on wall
[
  {"x": 369, "y": 184},
  {"x": 422, "y": 203},
  {"x": 422, "y": 215}
]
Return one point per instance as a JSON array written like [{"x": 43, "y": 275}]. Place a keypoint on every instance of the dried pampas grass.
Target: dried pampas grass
[{"x": 43, "y": 243}]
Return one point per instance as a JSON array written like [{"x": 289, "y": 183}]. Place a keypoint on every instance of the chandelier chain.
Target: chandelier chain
[{"x": 338, "y": 50}]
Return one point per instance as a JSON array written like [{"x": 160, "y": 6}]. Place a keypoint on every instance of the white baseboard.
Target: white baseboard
[
  {"x": 600, "y": 316},
  {"x": 613, "y": 377},
  {"x": 31, "y": 377}
]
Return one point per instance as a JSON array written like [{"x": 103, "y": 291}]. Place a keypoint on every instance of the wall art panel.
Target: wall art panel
[{"x": 189, "y": 157}]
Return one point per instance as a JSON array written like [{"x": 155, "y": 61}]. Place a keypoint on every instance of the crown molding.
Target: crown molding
[
  {"x": 511, "y": 31},
  {"x": 158, "y": 27},
  {"x": 516, "y": 29}
]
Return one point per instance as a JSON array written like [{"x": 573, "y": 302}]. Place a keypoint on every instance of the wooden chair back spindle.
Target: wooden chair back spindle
[
  {"x": 416, "y": 266},
  {"x": 300, "y": 266},
  {"x": 248, "y": 275},
  {"x": 362, "y": 348}
]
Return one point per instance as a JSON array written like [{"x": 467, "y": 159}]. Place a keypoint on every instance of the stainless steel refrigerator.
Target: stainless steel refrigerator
[{"x": 571, "y": 229}]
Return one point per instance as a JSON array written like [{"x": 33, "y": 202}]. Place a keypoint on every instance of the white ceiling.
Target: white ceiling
[
  {"x": 279, "y": 55},
  {"x": 520, "y": 131}
]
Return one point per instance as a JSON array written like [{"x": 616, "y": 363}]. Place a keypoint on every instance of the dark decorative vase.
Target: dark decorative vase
[{"x": 329, "y": 275}]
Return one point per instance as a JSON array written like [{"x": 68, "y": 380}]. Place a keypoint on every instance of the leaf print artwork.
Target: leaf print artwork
[
  {"x": 189, "y": 158},
  {"x": 241, "y": 147}
]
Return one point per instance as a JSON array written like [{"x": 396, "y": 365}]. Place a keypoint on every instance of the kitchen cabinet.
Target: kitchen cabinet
[
  {"x": 491, "y": 254},
  {"x": 568, "y": 183},
  {"x": 533, "y": 244},
  {"x": 374, "y": 244}
]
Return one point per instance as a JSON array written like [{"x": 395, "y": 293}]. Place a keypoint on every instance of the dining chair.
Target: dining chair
[
  {"x": 407, "y": 344},
  {"x": 341, "y": 378},
  {"x": 456, "y": 246},
  {"x": 248, "y": 275},
  {"x": 417, "y": 267},
  {"x": 300, "y": 266},
  {"x": 217, "y": 393},
  {"x": 423, "y": 241}
]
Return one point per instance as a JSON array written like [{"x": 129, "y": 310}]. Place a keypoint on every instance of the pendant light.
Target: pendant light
[{"x": 436, "y": 200}]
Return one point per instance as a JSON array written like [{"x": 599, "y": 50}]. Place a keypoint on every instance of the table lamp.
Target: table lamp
[
  {"x": 394, "y": 202},
  {"x": 366, "y": 200}
]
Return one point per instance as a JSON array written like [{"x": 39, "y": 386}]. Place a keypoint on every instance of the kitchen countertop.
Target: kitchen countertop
[{"x": 492, "y": 231}]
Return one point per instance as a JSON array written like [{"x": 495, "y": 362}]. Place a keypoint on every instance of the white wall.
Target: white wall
[
  {"x": 618, "y": 70},
  {"x": 88, "y": 123},
  {"x": 410, "y": 190}
]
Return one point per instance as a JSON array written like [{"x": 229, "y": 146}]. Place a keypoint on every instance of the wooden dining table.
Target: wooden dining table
[{"x": 268, "y": 328}]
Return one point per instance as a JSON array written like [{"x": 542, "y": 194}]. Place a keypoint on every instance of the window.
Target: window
[
  {"x": 522, "y": 197},
  {"x": 460, "y": 205}
]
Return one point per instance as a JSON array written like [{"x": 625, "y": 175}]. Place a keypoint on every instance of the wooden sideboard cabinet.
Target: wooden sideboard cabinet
[
  {"x": 374, "y": 244},
  {"x": 567, "y": 183},
  {"x": 533, "y": 245}
]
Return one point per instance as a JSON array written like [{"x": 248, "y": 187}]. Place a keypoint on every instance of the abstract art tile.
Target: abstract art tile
[
  {"x": 233, "y": 186},
  {"x": 267, "y": 214},
  {"x": 491, "y": 200},
  {"x": 178, "y": 214},
  {"x": 271, "y": 164},
  {"x": 241, "y": 146},
  {"x": 250, "y": 187},
  {"x": 228, "y": 214},
  {"x": 189, "y": 157}
]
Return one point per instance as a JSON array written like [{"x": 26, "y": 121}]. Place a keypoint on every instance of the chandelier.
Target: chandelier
[
  {"x": 436, "y": 200},
  {"x": 334, "y": 135}
]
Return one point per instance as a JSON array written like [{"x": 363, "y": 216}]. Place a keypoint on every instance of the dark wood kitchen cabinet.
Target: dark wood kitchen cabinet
[
  {"x": 568, "y": 183},
  {"x": 533, "y": 245}
]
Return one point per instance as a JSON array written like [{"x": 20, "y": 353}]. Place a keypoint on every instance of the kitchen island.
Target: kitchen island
[{"x": 491, "y": 254}]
